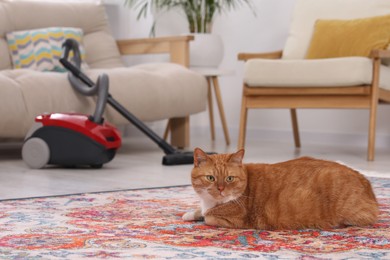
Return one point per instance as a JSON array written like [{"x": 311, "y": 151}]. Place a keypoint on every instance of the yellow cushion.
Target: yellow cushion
[{"x": 342, "y": 38}]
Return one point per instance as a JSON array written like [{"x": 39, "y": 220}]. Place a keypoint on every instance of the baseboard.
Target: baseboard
[
  {"x": 347, "y": 139},
  {"x": 261, "y": 134}
]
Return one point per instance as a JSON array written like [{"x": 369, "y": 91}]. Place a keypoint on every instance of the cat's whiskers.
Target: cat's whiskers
[
  {"x": 239, "y": 203},
  {"x": 244, "y": 196}
]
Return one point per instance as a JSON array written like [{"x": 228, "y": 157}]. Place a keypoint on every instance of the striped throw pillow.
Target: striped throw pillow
[{"x": 41, "y": 49}]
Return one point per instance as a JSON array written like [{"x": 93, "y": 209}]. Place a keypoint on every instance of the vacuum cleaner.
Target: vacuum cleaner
[
  {"x": 83, "y": 84},
  {"x": 71, "y": 139}
]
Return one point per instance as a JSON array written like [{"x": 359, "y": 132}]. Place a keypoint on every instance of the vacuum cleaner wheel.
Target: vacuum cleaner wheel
[{"x": 35, "y": 153}]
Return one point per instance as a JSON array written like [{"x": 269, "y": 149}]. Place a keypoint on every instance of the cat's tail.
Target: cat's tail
[
  {"x": 367, "y": 187},
  {"x": 366, "y": 211}
]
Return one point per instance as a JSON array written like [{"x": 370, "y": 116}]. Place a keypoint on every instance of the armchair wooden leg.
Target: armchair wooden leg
[
  {"x": 218, "y": 96},
  {"x": 373, "y": 110},
  {"x": 243, "y": 120},
  {"x": 294, "y": 121},
  {"x": 371, "y": 134},
  {"x": 180, "y": 132}
]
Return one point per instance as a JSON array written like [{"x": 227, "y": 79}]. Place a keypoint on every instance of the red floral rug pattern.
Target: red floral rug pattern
[{"x": 147, "y": 224}]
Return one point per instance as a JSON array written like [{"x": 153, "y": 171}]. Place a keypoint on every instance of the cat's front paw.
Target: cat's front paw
[{"x": 192, "y": 216}]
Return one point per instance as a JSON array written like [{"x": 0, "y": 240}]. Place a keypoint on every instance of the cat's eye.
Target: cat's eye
[
  {"x": 229, "y": 179},
  {"x": 210, "y": 178}
]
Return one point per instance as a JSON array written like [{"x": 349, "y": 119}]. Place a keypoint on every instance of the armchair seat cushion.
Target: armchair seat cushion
[{"x": 337, "y": 72}]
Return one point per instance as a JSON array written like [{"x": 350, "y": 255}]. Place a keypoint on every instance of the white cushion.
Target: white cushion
[
  {"x": 306, "y": 12},
  {"x": 336, "y": 72}
]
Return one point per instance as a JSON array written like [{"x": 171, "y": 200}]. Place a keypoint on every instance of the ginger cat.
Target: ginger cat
[{"x": 296, "y": 194}]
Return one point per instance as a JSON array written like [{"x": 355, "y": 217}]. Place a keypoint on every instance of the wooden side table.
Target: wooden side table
[{"x": 212, "y": 75}]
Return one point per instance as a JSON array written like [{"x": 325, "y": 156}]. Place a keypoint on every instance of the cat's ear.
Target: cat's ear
[
  {"x": 236, "y": 158},
  {"x": 200, "y": 157}
]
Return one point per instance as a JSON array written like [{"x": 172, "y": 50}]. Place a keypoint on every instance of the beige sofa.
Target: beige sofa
[{"x": 150, "y": 91}]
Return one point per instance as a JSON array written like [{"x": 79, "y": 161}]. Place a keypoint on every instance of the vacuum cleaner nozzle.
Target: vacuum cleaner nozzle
[{"x": 178, "y": 158}]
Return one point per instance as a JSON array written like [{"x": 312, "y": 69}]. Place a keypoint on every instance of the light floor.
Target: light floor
[{"x": 138, "y": 165}]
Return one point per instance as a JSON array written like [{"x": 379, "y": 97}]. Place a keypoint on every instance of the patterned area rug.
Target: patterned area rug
[{"x": 147, "y": 224}]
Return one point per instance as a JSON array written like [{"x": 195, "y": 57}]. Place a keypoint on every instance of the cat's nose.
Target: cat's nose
[{"x": 221, "y": 188}]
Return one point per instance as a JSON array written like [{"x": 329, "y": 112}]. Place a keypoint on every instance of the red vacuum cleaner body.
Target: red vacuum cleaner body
[{"x": 70, "y": 139}]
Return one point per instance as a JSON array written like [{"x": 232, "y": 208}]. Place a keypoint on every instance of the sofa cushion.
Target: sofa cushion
[
  {"x": 306, "y": 12},
  {"x": 5, "y": 60},
  {"x": 344, "y": 38},
  {"x": 13, "y": 112},
  {"x": 349, "y": 71},
  {"x": 150, "y": 91},
  {"x": 90, "y": 17},
  {"x": 155, "y": 91},
  {"x": 102, "y": 55}
]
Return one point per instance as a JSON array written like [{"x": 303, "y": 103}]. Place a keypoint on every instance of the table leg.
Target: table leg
[
  {"x": 220, "y": 107},
  {"x": 210, "y": 106}
]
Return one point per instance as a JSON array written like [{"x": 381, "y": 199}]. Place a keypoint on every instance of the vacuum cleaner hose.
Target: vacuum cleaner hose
[
  {"x": 81, "y": 87},
  {"x": 70, "y": 45},
  {"x": 102, "y": 86},
  {"x": 81, "y": 83}
]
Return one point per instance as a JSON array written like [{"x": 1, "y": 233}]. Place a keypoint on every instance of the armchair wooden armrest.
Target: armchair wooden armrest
[
  {"x": 267, "y": 55},
  {"x": 176, "y": 46},
  {"x": 380, "y": 54}
]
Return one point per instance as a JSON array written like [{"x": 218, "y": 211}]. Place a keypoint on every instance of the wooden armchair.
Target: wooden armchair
[
  {"x": 288, "y": 80},
  {"x": 178, "y": 49}
]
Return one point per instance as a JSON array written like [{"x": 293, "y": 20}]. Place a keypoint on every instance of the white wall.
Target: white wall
[{"x": 241, "y": 31}]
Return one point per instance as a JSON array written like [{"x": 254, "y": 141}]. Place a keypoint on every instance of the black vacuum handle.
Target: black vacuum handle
[{"x": 167, "y": 148}]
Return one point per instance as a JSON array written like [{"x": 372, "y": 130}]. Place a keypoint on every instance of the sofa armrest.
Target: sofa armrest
[
  {"x": 176, "y": 46},
  {"x": 267, "y": 55}
]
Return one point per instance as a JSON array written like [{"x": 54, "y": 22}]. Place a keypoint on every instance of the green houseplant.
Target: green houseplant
[
  {"x": 207, "y": 50},
  {"x": 199, "y": 13}
]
